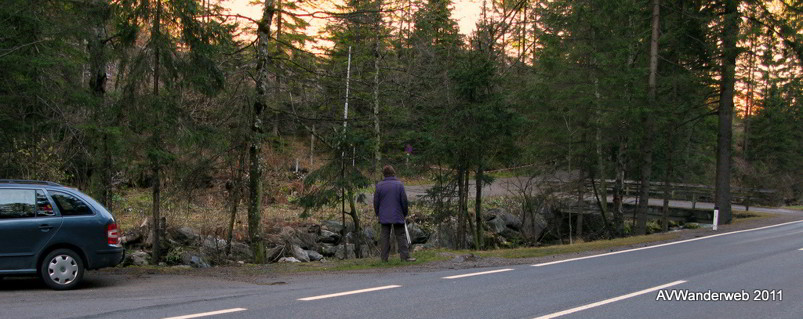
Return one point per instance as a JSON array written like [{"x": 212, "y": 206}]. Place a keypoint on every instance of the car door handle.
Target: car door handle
[{"x": 45, "y": 227}]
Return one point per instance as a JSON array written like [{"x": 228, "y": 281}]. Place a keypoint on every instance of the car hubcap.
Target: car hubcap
[{"x": 63, "y": 269}]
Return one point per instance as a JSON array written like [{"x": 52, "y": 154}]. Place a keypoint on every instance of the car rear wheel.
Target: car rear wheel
[{"x": 62, "y": 269}]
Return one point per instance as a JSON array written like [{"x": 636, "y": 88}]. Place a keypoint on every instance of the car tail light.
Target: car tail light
[{"x": 113, "y": 234}]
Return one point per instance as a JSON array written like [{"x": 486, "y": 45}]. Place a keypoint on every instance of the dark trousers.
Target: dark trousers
[{"x": 401, "y": 240}]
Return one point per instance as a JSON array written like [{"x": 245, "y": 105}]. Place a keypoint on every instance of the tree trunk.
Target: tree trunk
[
  {"x": 667, "y": 188},
  {"x": 618, "y": 190},
  {"x": 278, "y": 75},
  {"x": 730, "y": 33},
  {"x": 647, "y": 122},
  {"x": 156, "y": 142},
  {"x": 235, "y": 201},
  {"x": 357, "y": 227},
  {"x": 602, "y": 192},
  {"x": 479, "y": 241},
  {"x": 255, "y": 176},
  {"x": 98, "y": 60},
  {"x": 377, "y": 46},
  {"x": 461, "y": 223}
]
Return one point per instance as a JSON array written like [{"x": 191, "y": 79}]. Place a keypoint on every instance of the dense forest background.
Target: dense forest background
[{"x": 181, "y": 95}]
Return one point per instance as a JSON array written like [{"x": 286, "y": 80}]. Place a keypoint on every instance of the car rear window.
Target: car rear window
[
  {"x": 17, "y": 203},
  {"x": 70, "y": 205},
  {"x": 43, "y": 207}
]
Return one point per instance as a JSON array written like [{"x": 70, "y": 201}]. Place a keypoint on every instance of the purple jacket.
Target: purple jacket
[{"x": 390, "y": 201}]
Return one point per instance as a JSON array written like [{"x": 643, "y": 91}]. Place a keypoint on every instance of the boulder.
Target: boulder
[
  {"x": 137, "y": 258},
  {"x": 241, "y": 251},
  {"x": 198, "y": 262},
  {"x": 132, "y": 237},
  {"x": 183, "y": 235},
  {"x": 336, "y": 226},
  {"x": 349, "y": 254},
  {"x": 214, "y": 244},
  {"x": 289, "y": 260},
  {"x": 332, "y": 226},
  {"x": 313, "y": 255},
  {"x": 273, "y": 254},
  {"x": 417, "y": 236},
  {"x": 289, "y": 236},
  {"x": 328, "y": 250},
  {"x": 369, "y": 235},
  {"x": 496, "y": 225},
  {"x": 328, "y": 237},
  {"x": 307, "y": 240},
  {"x": 509, "y": 219},
  {"x": 299, "y": 253}
]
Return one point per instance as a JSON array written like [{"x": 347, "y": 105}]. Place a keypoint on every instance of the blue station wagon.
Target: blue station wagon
[{"x": 55, "y": 232}]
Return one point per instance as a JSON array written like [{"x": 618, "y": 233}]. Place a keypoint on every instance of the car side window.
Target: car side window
[
  {"x": 70, "y": 205},
  {"x": 43, "y": 206},
  {"x": 17, "y": 203}
]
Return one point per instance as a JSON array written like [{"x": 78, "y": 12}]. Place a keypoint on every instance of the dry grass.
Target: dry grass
[
  {"x": 530, "y": 252},
  {"x": 740, "y": 216}
]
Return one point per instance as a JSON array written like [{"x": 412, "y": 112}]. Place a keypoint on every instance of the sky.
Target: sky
[{"x": 466, "y": 12}]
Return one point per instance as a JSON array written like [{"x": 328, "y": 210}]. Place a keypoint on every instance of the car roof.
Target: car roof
[{"x": 26, "y": 182}]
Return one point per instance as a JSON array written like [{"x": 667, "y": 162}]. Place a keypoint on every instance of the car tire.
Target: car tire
[{"x": 62, "y": 269}]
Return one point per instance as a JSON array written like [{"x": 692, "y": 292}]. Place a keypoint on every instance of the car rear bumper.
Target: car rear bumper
[{"x": 107, "y": 258}]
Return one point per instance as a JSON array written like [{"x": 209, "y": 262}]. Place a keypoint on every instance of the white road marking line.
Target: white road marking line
[
  {"x": 349, "y": 293},
  {"x": 800, "y": 249},
  {"x": 660, "y": 245},
  {"x": 206, "y": 314},
  {"x": 607, "y": 301},
  {"x": 478, "y": 273}
]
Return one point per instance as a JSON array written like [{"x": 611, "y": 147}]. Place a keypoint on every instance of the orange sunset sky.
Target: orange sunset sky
[{"x": 466, "y": 12}]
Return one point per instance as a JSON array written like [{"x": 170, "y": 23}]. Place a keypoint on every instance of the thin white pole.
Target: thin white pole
[
  {"x": 348, "y": 77},
  {"x": 716, "y": 217}
]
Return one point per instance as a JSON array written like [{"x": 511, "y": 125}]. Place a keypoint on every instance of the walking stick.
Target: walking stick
[{"x": 407, "y": 232}]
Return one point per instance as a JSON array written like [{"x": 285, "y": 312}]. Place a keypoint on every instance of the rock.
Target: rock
[
  {"x": 289, "y": 260},
  {"x": 496, "y": 225},
  {"x": 307, "y": 240},
  {"x": 184, "y": 235},
  {"x": 512, "y": 235},
  {"x": 198, "y": 262},
  {"x": 336, "y": 226},
  {"x": 214, "y": 244},
  {"x": 313, "y": 255},
  {"x": 509, "y": 219},
  {"x": 273, "y": 254},
  {"x": 350, "y": 255},
  {"x": 328, "y": 250},
  {"x": 132, "y": 237},
  {"x": 289, "y": 236},
  {"x": 369, "y": 235},
  {"x": 367, "y": 250},
  {"x": 137, "y": 258},
  {"x": 534, "y": 227},
  {"x": 299, "y": 253},
  {"x": 328, "y": 237},
  {"x": 332, "y": 226},
  {"x": 241, "y": 251},
  {"x": 417, "y": 236}
]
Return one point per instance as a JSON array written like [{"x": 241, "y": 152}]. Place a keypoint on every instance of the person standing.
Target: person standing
[{"x": 390, "y": 206}]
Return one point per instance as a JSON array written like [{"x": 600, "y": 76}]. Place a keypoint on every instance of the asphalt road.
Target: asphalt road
[{"x": 765, "y": 263}]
